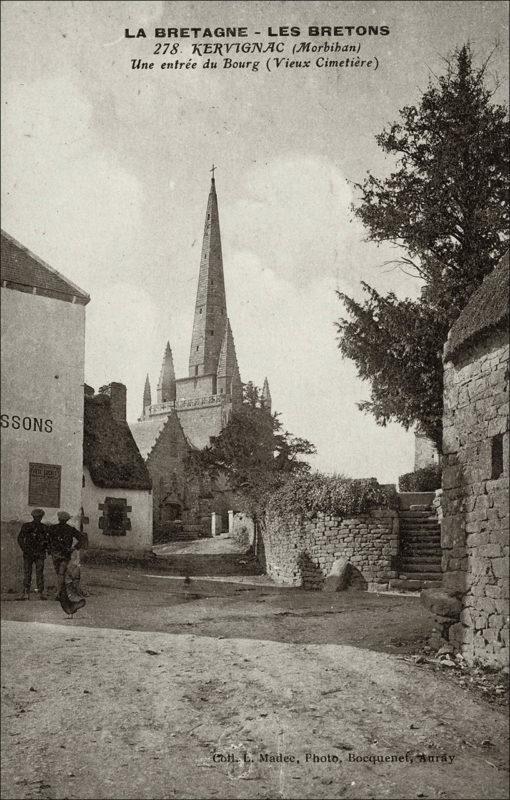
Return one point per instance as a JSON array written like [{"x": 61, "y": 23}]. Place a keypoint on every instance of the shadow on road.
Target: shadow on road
[{"x": 237, "y": 609}]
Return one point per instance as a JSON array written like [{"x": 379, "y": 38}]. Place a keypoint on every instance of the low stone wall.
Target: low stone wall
[{"x": 299, "y": 553}]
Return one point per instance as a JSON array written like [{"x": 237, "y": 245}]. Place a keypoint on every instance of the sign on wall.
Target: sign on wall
[{"x": 44, "y": 485}]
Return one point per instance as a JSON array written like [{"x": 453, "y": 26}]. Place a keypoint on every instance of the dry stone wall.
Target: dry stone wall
[
  {"x": 474, "y": 531},
  {"x": 301, "y": 553}
]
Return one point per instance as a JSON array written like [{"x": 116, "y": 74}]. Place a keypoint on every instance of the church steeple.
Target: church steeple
[
  {"x": 166, "y": 383},
  {"x": 146, "y": 395},
  {"x": 210, "y": 306},
  {"x": 266, "y": 395}
]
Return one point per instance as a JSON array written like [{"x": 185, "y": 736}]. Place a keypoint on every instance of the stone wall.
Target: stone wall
[
  {"x": 302, "y": 554},
  {"x": 474, "y": 534},
  {"x": 425, "y": 451}
]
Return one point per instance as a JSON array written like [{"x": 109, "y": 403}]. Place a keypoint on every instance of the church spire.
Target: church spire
[
  {"x": 266, "y": 395},
  {"x": 166, "y": 383},
  {"x": 210, "y": 306},
  {"x": 146, "y": 395}
]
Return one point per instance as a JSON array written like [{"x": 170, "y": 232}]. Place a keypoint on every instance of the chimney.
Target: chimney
[{"x": 117, "y": 394}]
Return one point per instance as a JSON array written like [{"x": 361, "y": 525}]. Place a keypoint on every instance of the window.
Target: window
[
  {"x": 115, "y": 520},
  {"x": 196, "y": 370},
  {"x": 211, "y": 333},
  {"x": 197, "y": 348},
  {"x": 497, "y": 456},
  {"x": 199, "y": 310}
]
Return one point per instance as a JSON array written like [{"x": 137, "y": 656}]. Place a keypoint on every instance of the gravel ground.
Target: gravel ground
[{"x": 162, "y": 690}]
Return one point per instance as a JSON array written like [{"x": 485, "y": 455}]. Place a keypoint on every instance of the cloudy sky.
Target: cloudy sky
[{"x": 106, "y": 175}]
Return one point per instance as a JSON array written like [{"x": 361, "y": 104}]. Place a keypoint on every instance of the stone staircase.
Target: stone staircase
[{"x": 420, "y": 549}]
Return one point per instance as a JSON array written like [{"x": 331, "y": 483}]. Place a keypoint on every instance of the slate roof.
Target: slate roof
[
  {"x": 147, "y": 433},
  {"x": 487, "y": 309},
  {"x": 24, "y": 271},
  {"x": 109, "y": 449}
]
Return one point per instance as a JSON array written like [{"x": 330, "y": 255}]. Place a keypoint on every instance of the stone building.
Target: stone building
[
  {"x": 190, "y": 410},
  {"x": 425, "y": 451},
  {"x": 116, "y": 490},
  {"x": 474, "y": 535},
  {"x": 43, "y": 354},
  {"x": 164, "y": 447}
]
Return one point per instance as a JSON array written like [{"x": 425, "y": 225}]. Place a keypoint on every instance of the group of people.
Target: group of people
[{"x": 38, "y": 540}]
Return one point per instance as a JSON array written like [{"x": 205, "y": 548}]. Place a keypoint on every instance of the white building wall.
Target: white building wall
[
  {"x": 140, "y": 535},
  {"x": 42, "y": 367}
]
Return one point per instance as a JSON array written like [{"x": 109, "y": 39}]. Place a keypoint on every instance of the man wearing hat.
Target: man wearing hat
[
  {"x": 61, "y": 537},
  {"x": 33, "y": 540}
]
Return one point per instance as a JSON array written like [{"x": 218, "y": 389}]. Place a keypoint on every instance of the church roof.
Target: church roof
[
  {"x": 147, "y": 433},
  {"x": 26, "y": 272},
  {"x": 109, "y": 449},
  {"x": 487, "y": 309}
]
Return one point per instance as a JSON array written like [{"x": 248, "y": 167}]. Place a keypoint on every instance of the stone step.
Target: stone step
[
  {"x": 428, "y": 527},
  {"x": 426, "y": 523},
  {"x": 421, "y": 541},
  {"x": 410, "y": 585},
  {"x": 429, "y": 541},
  {"x": 417, "y": 514},
  {"x": 425, "y": 574},
  {"x": 421, "y": 561},
  {"x": 435, "y": 531}
]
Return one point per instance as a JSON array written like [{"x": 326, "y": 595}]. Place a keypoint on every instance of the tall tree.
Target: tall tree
[
  {"x": 446, "y": 208},
  {"x": 254, "y": 452}
]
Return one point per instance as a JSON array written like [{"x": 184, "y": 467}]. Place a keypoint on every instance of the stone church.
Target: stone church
[{"x": 190, "y": 410}]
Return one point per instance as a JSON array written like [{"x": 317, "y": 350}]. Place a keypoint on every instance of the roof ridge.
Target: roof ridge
[{"x": 13, "y": 240}]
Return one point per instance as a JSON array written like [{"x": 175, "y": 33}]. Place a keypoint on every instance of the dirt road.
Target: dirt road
[{"x": 159, "y": 690}]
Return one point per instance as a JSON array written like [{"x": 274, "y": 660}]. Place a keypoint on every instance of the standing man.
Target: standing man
[
  {"x": 61, "y": 538},
  {"x": 33, "y": 540}
]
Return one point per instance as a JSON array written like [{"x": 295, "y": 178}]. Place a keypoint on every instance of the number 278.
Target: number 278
[{"x": 162, "y": 48}]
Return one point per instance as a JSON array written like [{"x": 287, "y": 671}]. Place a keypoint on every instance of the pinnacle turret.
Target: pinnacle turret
[
  {"x": 210, "y": 306},
  {"x": 227, "y": 375},
  {"x": 266, "y": 395},
  {"x": 146, "y": 395},
  {"x": 166, "y": 383}
]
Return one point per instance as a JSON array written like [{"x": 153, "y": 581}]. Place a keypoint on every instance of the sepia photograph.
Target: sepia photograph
[{"x": 254, "y": 399}]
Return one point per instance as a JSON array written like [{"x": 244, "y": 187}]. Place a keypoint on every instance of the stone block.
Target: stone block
[
  {"x": 452, "y": 477},
  {"x": 455, "y": 583},
  {"x": 459, "y": 634},
  {"x": 500, "y": 567},
  {"x": 441, "y": 603},
  {"x": 338, "y": 576},
  {"x": 491, "y": 551}
]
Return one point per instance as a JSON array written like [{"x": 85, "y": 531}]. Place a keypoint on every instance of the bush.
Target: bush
[
  {"x": 308, "y": 495},
  {"x": 427, "y": 479}
]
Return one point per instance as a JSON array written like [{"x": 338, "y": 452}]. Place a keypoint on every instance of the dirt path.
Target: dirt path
[{"x": 90, "y": 711}]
